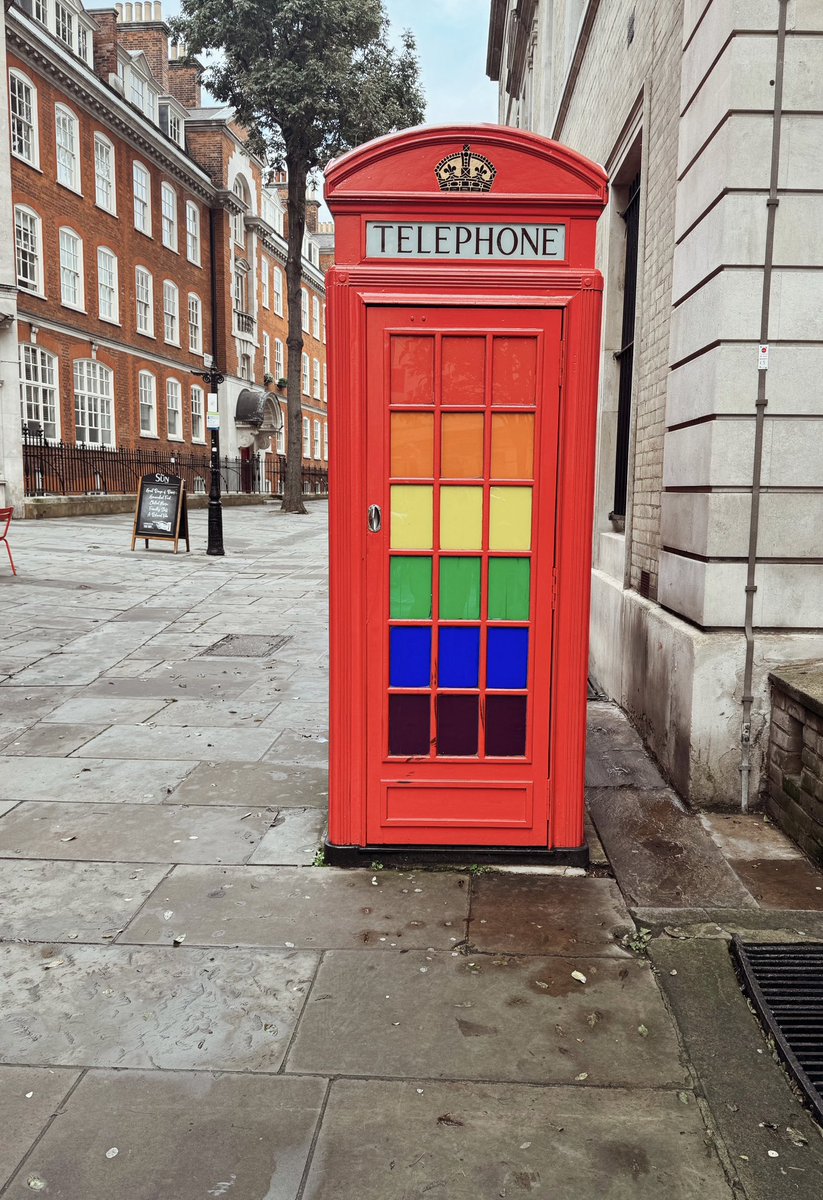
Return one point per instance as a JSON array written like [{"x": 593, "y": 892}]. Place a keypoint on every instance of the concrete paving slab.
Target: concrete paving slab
[
  {"x": 318, "y": 908},
  {"x": 200, "y": 744},
  {"x": 163, "y": 686},
  {"x": 61, "y": 669},
  {"x": 249, "y": 784},
  {"x": 132, "y": 833},
  {"x": 215, "y": 713},
  {"x": 608, "y": 768},
  {"x": 773, "y": 924},
  {"x": 748, "y": 835},
  {"x": 294, "y": 838},
  {"x": 147, "y": 612},
  {"x": 300, "y": 749},
  {"x": 71, "y": 901},
  {"x": 108, "y": 780},
  {"x": 782, "y": 882},
  {"x": 515, "y": 914},
  {"x": 104, "y": 712},
  {"x": 29, "y": 1098},
  {"x": 746, "y": 1090},
  {"x": 466, "y": 1142},
  {"x": 7, "y": 806},
  {"x": 9, "y": 732},
  {"x": 29, "y": 704},
  {"x": 660, "y": 854},
  {"x": 608, "y": 727},
  {"x": 56, "y": 741},
  {"x": 524, "y": 1020},
  {"x": 185, "y": 1136},
  {"x": 172, "y": 1009}
]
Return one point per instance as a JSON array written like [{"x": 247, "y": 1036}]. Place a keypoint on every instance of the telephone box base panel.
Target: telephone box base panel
[{"x": 427, "y": 856}]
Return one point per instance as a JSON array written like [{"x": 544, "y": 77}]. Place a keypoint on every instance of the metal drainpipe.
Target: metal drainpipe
[{"x": 760, "y": 413}]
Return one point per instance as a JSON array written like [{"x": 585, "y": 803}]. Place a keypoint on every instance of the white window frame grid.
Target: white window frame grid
[
  {"x": 278, "y": 291},
  {"x": 25, "y": 125},
  {"x": 93, "y": 384},
  {"x": 192, "y": 232},
  {"x": 279, "y": 360},
  {"x": 315, "y": 318},
  {"x": 173, "y": 390},
  {"x": 147, "y": 300},
  {"x": 40, "y": 11},
  {"x": 147, "y": 398},
  {"x": 141, "y": 192},
  {"x": 39, "y": 399},
  {"x": 171, "y": 312},
  {"x": 266, "y": 354},
  {"x": 105, "y": 182},
  {"x": 198, "y": 418},
  {"x": 280, "y": 440},
  {"x": 316, "y": 378},
  {"x": 325, "y": 441},
  {"x": 64, "y": 22},
  {"x": 168, "y": 216},
  {"x": 72, "y": 290},
  {"x": 264, "y": 281},
  {"x": 108, "y": 287},
  {"x": 28, "y": 224},
  {"x": 195, "y": 307},
  {"x": 245, "y": 367},
  {"x": 305, "y": 370},
  {"x": 306, "y": 437},
  {"x": 304, "y": 310},
  {"x": 325, "y": 384},
  {"x": 67, "y": 143},
  {"x": 238, "y": 224},
  {"x": 317, "y": 443},
  {"x": 324, "y": 324}
]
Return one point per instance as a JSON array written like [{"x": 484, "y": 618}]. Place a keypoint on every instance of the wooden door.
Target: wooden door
[{"x": 462, "y": 440}]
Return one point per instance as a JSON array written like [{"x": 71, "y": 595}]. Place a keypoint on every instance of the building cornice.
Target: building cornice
[
  {"x": 586, "y": 26},
  {"x": 87, "y": 90}
]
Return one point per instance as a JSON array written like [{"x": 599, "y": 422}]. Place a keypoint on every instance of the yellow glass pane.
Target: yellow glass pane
[
  {"x": 513, "y": 446},
  {"x": 412, "y": 445},
  {"x": 412, "y": 517},
  {"x": 461, "y": 518},
  {"x": 510, "y": 520},
  {"x": 461, "y": 450}
]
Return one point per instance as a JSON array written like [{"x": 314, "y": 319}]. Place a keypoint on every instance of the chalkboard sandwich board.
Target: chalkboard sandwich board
[{"x": 161, "y": 513}]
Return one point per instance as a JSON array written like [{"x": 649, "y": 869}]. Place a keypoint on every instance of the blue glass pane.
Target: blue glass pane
[
  {"x": 459, "y": 657},
  {"x": 508, "y": 663},
  {"x": 411, "y": 653}
]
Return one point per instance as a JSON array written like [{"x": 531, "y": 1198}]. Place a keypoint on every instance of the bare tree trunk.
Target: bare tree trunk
[{"x": 293, "y": 486}]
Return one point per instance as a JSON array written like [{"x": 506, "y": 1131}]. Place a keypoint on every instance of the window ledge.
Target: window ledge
[
  {"x": 74, "y": 308},
  {"x": 142, "y": 333},
  {"x": 173, "y": 249},
  {"x": 28, "y": 292},
  {"x": 108, "y": 211},
  {"x": 155, "y": 437},
  {"x": 198, "y": 441},
  {"x": 173, "y": 437},
  {"x": 68, "y": 188},
  {"x": 35, "y": 166},
  {"x": 111, "y": 321},
  {"x": 145, "y": 234}
]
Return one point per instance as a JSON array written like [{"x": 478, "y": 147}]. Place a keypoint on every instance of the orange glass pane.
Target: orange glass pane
[
  {"x": 462, "y": 446},
  {"x": 514, "y": 370},
  {"x": 464, "y": 370},
  {"x": 412, "y": 445},
  {"x": 513, "y": 446},
  {"x": 412, "y": 370}
]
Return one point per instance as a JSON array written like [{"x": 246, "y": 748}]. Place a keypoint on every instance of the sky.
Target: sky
[{"x": 451, "y": 45}]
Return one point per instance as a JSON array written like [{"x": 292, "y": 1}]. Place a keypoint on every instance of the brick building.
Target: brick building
[
  {"x": 678, "y": 102},
  {"x": 149, "y": 242}
]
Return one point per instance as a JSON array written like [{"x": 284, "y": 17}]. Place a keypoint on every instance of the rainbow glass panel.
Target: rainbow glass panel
[
  {"x": 412, "y": 517},
  {"x": 461, "y": 518},
  {"x": 510, "y": 523}
]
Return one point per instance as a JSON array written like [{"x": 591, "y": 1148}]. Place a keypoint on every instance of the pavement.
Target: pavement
[{"x": 192, "y": 1008}]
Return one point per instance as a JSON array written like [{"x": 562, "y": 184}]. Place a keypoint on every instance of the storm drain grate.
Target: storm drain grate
[
  {"x": 246, "y": 645},
  {"x": 785, "y": 985}
]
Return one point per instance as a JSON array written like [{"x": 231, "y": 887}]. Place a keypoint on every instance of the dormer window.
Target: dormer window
[
  {"x": 64, "y": 24},
  {"x": 138, "y": 90},
  {"x": 172, "y": 124}
]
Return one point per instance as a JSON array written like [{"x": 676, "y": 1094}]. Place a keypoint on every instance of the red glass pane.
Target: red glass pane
[
  {"x": 412, "y": 370},
  {"x": 464, "y": 370},
  {"x": 514, "y": 370}
]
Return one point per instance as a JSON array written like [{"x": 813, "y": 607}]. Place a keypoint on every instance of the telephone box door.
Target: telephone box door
[{"x": 462, "y": 438}]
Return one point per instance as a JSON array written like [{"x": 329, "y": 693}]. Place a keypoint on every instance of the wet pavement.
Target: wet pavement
[{"x": 192, "y": 1008}]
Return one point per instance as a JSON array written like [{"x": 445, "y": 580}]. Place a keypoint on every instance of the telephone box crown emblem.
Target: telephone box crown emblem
[{"x": 465, "y": 172}]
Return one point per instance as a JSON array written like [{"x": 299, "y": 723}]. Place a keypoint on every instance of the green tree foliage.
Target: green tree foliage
[{"x": 308, "y": 79}]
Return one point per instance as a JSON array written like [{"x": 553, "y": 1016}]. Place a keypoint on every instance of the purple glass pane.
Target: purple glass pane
[
  {"x": 457, "y": 724},
  {"x": 506, "y": 726},
  {"x": 409, "y": 725}
]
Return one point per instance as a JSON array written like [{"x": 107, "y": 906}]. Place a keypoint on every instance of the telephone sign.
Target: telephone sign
[{"x": 464, "y": 315}]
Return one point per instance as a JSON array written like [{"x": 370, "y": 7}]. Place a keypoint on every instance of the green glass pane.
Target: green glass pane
[
  {"x": 460, "y": 589},
  {"x": 411, "y": 588},
  {"x": 509, "y": 586}
]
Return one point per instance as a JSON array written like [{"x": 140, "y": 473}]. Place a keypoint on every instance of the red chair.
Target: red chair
[{"x": 5, "y": 521}]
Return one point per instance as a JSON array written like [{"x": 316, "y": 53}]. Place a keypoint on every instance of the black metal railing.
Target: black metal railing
[{"x": 60, "y": 469}]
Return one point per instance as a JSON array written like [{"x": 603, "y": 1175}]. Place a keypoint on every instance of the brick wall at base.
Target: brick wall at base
[{"x": 794, "y": 785}]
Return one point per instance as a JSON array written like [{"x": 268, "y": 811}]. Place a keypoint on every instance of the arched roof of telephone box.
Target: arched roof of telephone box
[{"x": 525, "y": 165}]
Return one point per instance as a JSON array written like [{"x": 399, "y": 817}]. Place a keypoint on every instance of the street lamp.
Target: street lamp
[{"x": 215, "y": 543}]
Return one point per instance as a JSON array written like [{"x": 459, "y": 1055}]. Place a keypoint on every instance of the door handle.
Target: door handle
[{"x": 375, "y": 518}]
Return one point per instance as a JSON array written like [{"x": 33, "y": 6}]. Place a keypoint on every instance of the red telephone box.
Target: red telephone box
[{"x": 464, "y": 328}]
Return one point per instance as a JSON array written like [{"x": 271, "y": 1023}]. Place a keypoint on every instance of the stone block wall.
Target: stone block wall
[{"x": 794, "y": 782}]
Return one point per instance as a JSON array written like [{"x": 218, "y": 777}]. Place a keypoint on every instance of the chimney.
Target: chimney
[
  {"x": 312, "y": 214},
  {"x": 104, "y": 41},
  {"x": 184, "y": 80},
  {"x": 141, "y": 27}
]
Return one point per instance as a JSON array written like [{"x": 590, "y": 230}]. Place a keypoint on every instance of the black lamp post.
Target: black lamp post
[{"x": 213, "y": 378}]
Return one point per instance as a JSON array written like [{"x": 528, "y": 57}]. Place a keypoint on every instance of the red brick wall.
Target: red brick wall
[{"x": 58, "y": 206}]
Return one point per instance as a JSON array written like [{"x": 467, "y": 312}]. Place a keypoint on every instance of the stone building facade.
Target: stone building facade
[
  {"x": 149, "y": 244},
  {"x": 683, "y": 103}
]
